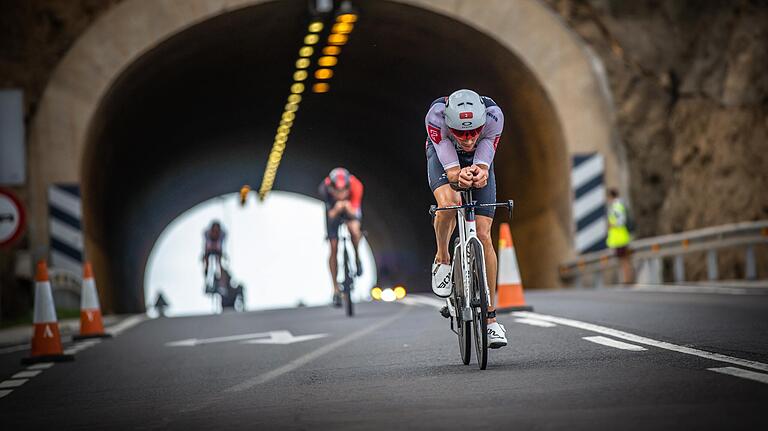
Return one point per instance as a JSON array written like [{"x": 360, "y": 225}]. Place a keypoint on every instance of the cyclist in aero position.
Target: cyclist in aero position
[
  {"x": 463, "y": 131},
  {"x": 343, "y": 196},
  {"x": 214, "y": 244}
]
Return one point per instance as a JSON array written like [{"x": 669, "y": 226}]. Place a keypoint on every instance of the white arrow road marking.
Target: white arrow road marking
[
  {"x": 272, "y": 337},
  {"x": 605, "y": 341},
  {"x": 284, "y": 337},
  {"x": 745, "y": 374}
]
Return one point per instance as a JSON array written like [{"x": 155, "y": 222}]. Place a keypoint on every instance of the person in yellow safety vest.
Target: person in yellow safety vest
[{"x": 618, "y": 234}]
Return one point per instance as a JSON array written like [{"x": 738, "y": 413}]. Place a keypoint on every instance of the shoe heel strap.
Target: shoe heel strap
[{"x": 492, "y": 314}]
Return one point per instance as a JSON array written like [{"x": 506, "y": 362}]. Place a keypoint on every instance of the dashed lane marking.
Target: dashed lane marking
[
  {"x": 12, "y": 383},
  {"x": 605, "y": 341},
  {"x": 534, "y": 322},
  {"x": 41, "y": 366},
  {"x": 644, "y": 340},
  {"x": 5, "y": 392},
  {"x": 744, "y": 374},
  {"x": 26, "y": 374}
]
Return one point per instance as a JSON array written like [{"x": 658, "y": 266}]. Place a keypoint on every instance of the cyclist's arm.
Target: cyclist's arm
[
  {"x": 486, "y": 147},
  {"x": 438, "y": 136}
]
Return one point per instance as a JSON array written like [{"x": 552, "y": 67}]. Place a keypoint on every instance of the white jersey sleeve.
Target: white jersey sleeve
[
  {"x": 489, "y": 139},
  {"x": 437, "y": 133}
]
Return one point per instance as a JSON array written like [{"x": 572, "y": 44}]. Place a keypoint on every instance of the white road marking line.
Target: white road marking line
[
  {"x": 744, "y": 374},
  {"x": 12, "y": 349},
  {"x": 25, "y": 374},
  {"x": 126, "y": 324},
  {"x": 534, "y": 322},
  {"x": 309, "y": 357},
  {"x": 719, "y": 290},
  {"x": 41, "y": 366},
  {"x": 423, "y": 300},
  {"x": 599, "y": 339},
  {"x": 12, "y": 383},
  {"x": 5, "y": 392},
  {"x": 647, "y": 341},
  {"x": 70, "y": 351}
]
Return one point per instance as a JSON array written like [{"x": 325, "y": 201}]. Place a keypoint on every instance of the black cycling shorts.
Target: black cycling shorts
[
  {"x": 332, "y": 224},
  {"x": 436, "y": 177}
]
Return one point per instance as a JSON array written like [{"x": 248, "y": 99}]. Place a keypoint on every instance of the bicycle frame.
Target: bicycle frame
[{"x": 467, "y": 227}]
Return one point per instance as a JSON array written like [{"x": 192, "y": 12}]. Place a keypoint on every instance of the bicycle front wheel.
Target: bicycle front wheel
[
  {"x": 479, "y": 302},
  {"x": 346, "y": 288}
]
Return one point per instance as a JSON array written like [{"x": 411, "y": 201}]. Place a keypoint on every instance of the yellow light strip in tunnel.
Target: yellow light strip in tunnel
[
  {"x": 339, "y": 36},
  {"x": 289, "y": 113}
]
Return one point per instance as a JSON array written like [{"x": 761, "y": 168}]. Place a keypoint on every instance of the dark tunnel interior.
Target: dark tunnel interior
[{"x": 195, "y": 117}]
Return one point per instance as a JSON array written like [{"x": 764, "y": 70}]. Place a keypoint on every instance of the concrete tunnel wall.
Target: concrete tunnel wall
[{"x": 193, "y": 117}]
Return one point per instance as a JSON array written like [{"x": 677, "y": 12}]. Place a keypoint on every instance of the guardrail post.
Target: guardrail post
[
  {"x": 598, "y": 279},
  {"x": 679, "y": 268},
  {"x": 656, "y": 270},
  {"x": 751, "y": 270},
  {"x": 712, "y": 270}
]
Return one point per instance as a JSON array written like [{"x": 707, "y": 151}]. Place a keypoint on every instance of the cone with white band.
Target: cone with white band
[
  {"x": 46, "y": 340},
  {"x": 510, "y": 286},
  {"x": 91, "y": 323}
]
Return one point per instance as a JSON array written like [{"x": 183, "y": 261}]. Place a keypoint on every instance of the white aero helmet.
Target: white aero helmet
[{"x": 465, "y": 110}]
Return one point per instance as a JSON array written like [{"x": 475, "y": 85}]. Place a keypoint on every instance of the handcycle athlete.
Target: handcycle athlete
[{"x": 463, "y": 131}]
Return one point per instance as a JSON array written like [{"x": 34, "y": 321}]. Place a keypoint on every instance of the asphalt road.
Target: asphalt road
[{"x": 671, "y": 361}]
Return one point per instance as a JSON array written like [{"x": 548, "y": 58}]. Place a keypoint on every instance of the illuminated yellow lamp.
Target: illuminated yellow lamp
[
  {"x": 244, "y": 193},
  {"x": 306, "y": 51},
  {"x": 337, "y": 39},
  {"x": 294, "y": 98},
  {"x": 331, "y": 50},
  {"x": 316, "y": 27},
  {"x": 399, "y": 292},
  {"x": 286, "y": 123},
  {"x": 291, "y": 107},
  {"x": 311, "y": 39},
  {"x": 376, "y": 293},
  {"x": 327, "y": 61},
  {"x": 323, "y": 73},
  {"x": 347, "y": 18},
  {"x": 284, "y": 129},
  {"x": 297, "y": 88},
  {"x": 388, "y": 295},
  {"x": 300, "y": 75},
  {"x": 288, "y": 116},
  {"x": 342, "y": 28},
  {"x": 321, "y": 87},
  {"x": 278, "y": 140},
  {"x": 302, "y": 63}
]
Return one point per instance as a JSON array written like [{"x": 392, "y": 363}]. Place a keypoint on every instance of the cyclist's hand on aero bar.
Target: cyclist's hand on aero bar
[
  {"x": 479, "y": 176},
  {"x": 465, "y": 178}
]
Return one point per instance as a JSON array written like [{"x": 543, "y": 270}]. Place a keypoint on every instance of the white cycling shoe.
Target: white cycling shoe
[
  {"x": 442, "y": 284},
  {"x": 497, "y": 335}
]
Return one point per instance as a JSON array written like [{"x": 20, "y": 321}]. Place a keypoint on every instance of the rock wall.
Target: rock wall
[{"x": 690, "y": 83}]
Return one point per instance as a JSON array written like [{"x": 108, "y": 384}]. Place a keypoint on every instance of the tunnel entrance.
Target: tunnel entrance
[{"x": 194, "y": 118}]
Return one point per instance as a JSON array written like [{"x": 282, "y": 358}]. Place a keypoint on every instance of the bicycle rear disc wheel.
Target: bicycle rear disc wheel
[{"x": 480, "y": 303}]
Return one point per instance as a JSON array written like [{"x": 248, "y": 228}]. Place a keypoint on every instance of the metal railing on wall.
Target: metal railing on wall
[{"x": 647, "y": 255}]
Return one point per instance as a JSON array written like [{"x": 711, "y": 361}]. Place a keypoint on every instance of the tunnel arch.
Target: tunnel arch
[{"x": 551, "y": 96}]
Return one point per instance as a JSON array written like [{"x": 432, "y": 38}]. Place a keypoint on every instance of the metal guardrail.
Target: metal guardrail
[{"x": 646, "y": 254}]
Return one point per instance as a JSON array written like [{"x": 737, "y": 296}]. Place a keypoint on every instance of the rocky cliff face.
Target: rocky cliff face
[{"x": 690, "y": 86}]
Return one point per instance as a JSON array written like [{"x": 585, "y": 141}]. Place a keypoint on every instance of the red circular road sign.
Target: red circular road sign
[{"x": 13, "y": 218}]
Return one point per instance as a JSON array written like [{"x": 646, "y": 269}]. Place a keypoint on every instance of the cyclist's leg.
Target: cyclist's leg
[
  {"x": 205, "y": 262},
  {"x": 333, "y": 264},
  {"x": 353, "y": 224},
  {"x": 484, "y": 235},
  {"x": 445, "y": 221},
  {"x": 332, "y": 228},
  {"x": 484, "y": 223}
]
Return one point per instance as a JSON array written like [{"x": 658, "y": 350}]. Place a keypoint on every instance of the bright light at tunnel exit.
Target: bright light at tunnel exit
[{"x": 276, "y": 249}]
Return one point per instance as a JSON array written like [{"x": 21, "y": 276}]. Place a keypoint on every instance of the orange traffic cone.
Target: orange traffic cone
[
  {"x": 510, "y": 286},
  {"x": 46, "y": 341},
  {"x": 91, "y": 325}
]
